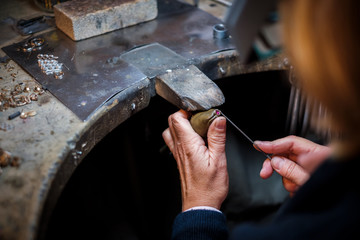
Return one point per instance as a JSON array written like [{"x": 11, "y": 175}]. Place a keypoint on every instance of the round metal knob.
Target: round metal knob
[{"x": 220, "y": 31}]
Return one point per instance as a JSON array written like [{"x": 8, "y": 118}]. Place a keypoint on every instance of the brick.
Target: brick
[{"x": 80, "y": 19}]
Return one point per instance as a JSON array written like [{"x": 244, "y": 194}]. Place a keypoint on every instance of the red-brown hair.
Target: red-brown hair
[{"x": 322, "y": 40}]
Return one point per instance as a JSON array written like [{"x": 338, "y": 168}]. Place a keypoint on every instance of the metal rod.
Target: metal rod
[
  {"x": 244, "y": 134},
  {"x": 223, "y": 2}
]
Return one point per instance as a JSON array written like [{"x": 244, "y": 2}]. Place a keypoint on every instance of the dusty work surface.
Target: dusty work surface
[
  {"x": 50, "y": 144},
  {"x": 44, "y": 142},
  {"x": 88, "y": 66}
]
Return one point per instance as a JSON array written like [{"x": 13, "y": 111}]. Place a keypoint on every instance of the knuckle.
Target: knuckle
[
  {"x": 289, "y": 170},
  {"x": 292, "y": 137},
  {"x": 218, "y": 139},
  {"x": 165, "y": 134},
  {"x": 170, "y": 119},
  {"x": 174, "y": 121}
]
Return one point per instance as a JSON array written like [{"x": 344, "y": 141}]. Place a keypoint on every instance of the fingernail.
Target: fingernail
[
  {"x": 257, "y": 142},
  {"x": 261, "y": 143},
  {"x": 255, "y": 145},
  {"x": 220, "y": 124},
  {"x": 277, "y": 162}
]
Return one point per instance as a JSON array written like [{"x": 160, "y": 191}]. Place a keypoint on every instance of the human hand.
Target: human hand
[
  {"x": 203, "y": 169},
  {"x": 294, "y": 158}
]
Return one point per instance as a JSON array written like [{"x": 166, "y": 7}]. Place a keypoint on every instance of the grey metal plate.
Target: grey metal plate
[
  {"x": 88, "y": 81},
  {"x": 91, "y": 78},
  {"x": 154, "y": 59}
]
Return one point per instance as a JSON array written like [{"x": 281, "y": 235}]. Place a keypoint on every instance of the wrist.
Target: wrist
[
  {"x": 190, "y": 205},
  {"x": 203, "y": 208}
]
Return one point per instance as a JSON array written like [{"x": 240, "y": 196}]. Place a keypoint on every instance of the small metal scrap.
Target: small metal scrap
[
  {"x": 31, "y": 113},
  {"x": 33, "y": 97},
  {"x": 25, "y": 115},
  {"x": 17, "y": 88},
  {"x": 37, "y": 42},
  {"x": 6, "y": 159},
  {"x": 37, "y": 89},
  {"x": 26, "y": 89},
  {"x": 50, "y": 65},
  {"x": 33, "y": 44},
  {"x": 6, "y": 89},
  {"x": 19, "y": 95},
  {"x": 14, "y": 115}
]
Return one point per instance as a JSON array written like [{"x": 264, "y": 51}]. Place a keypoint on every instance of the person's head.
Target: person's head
[{"x": 323, "y": 41}]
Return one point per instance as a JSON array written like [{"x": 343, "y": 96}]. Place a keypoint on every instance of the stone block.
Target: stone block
[{"x": 80, "y": 19}]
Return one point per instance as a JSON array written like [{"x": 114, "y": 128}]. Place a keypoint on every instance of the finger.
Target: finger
[
  {"x": 168, "y": 139},
  {"x": 184, "y": 113},
  {"x": 279, "y": 146},
  {"x": 289, "y": 185},
  {"x": 287, "y": 144},
  {"x": 290, "y": 170},
  {"x": 266, "y": 170},
  {"x": 217, "y": 137},
  {"x": 180, "y": 127},
  {"x": 179, "y": 114},
  {"x": 311, "y": 161}
]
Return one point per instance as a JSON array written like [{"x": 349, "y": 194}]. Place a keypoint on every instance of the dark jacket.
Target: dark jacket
[{"x": 326, "y": 207}]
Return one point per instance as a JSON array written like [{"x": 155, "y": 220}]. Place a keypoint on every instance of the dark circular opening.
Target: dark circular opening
[{"x": 128, "y": 186}]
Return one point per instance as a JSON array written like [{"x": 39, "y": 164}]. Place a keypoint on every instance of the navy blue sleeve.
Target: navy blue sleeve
[
  {"x": 325, "y": 207},
  {"x": 200, "y": 225}
]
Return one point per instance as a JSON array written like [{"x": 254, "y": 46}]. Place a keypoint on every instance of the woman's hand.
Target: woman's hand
[
  {"x": 203, "y": 169},
  {"x": 294, "y": 158}
]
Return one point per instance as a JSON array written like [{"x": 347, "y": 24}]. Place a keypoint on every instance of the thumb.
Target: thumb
[
  {"x": 216, "y": 136},
  {"x": 290, "y": 170}
]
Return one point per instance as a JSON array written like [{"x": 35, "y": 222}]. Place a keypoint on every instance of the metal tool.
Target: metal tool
[
  {"x": 223, "y": 2},
  {"x": 244, "y": 134},
  {"x": 244, "y": 19}
]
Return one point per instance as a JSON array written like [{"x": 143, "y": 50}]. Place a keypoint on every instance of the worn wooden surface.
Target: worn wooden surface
[{"x": 189, "y": 89}]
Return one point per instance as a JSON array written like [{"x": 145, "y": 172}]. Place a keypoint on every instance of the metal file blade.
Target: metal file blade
[{"x": 242, "y": 132}]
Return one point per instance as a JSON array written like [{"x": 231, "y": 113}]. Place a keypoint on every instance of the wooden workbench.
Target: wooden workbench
[{"x": 51, "y": 144}]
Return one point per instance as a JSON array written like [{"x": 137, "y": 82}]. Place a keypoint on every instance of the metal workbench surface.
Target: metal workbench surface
[{"x": 46, "y": 146}]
